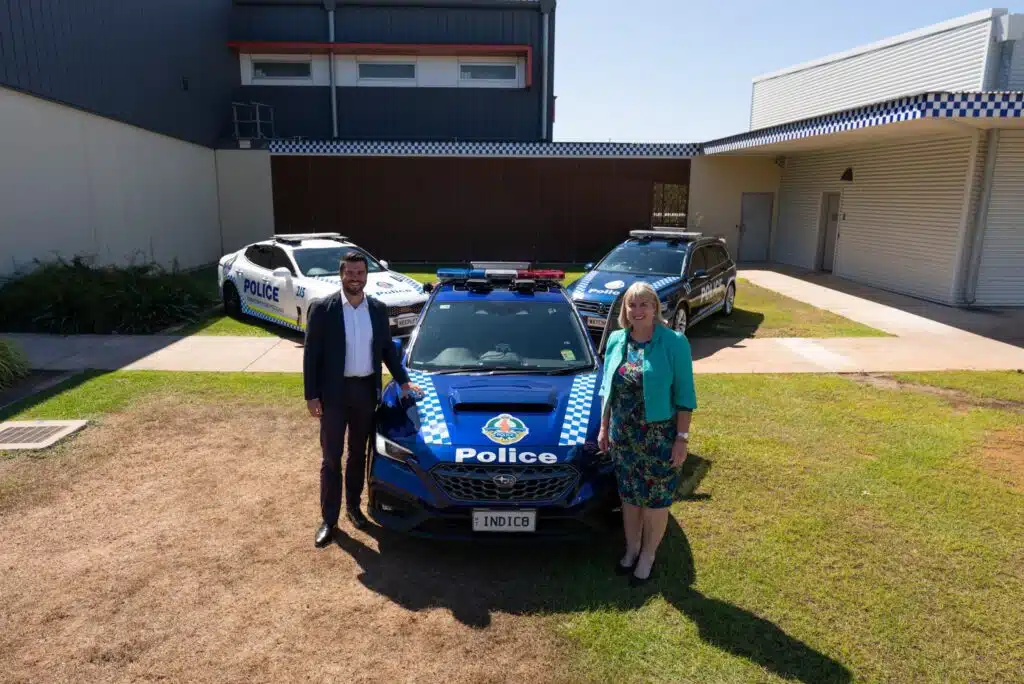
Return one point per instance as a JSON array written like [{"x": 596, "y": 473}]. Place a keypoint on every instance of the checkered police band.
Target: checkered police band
[{"x": 577, "y": 413}]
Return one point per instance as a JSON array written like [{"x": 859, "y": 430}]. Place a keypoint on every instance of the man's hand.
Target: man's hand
[
  {"x": 679, "y": 451},
  {"x": 411, "y": 388},
  {"x": 315, "y": 408}
]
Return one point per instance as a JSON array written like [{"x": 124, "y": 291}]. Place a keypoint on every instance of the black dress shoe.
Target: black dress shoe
[
  {"x": 356, "y": 517},
  {"x": 635, "y": 581},
  {"x": 324, "y": 535}
]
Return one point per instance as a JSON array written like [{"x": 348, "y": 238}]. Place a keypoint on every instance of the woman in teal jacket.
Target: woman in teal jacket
[{"x": 647, "y": 400}]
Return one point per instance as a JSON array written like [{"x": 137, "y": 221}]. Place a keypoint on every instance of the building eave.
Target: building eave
[
  {"x": 548, "y": 150},
  {"x": 963, "y": 109}
]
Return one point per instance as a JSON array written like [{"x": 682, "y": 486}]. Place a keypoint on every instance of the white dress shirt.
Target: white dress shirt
[{"x": 358, "y": 339}]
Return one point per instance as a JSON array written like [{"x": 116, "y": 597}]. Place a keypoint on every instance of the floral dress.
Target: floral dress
[{"x": 642, "y": 452}]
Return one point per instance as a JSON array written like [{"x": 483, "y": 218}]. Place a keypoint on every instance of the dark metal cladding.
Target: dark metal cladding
[
  {"x": 163, "y": 66},
  {"x": 460, "y": 209}
]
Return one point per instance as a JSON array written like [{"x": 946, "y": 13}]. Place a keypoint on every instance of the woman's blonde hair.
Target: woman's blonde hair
[{"x": 643, "y": 291}]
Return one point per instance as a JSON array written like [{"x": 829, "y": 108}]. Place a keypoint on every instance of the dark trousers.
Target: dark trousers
[{"x": 353, "y": 414}]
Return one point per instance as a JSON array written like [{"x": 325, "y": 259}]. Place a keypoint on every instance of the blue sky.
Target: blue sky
[{"x": 681, "y": 70}]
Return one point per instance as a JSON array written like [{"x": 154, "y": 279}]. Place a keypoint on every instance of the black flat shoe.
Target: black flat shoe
[
  {"x": 356, "y": 517},
  {"x": 324, "y": 535},
  {"x": 635, "y": 581},
  {"x": 621, "y": 569}
]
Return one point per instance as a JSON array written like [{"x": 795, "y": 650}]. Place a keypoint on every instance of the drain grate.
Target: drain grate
[{"x": 36, "y": 434}]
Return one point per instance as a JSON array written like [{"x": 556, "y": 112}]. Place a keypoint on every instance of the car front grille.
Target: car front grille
[
  {"x": 512, "y": 483},
  {"x": 593, "y": 308},
  {"x": 399, "y": 310}
]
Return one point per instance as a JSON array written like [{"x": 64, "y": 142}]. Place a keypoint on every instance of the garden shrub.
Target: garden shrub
[
  {"x": 13, "y": 364},
  {"x": 75, "y": 297}
]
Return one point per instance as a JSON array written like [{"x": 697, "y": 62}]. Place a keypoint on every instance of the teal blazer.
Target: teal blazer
[{"x": 668, "y": 373}]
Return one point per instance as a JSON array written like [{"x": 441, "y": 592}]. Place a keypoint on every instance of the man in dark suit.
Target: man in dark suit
[{"x": 348, "y": 335}]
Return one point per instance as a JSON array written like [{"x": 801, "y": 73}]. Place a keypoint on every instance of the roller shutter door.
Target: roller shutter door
[{"x": 1001, "y": 270}]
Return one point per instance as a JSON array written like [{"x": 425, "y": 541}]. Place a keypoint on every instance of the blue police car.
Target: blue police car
[
  {"x": 693, "y": 274},
  {"x": 502, "y": 440}
]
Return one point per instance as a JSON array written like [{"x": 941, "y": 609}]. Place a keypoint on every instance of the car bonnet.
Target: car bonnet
[{"x": 605, "y": 286}]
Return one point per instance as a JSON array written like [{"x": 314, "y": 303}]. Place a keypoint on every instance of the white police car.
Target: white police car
[{"x": 279, "y": 279}]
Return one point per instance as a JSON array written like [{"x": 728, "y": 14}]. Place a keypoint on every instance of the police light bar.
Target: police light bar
[
  {"x": 498, "y": 274},
  {"x": 664, "y": 234}
]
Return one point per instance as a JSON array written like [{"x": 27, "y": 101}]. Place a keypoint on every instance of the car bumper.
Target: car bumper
[{"x": 409, "y": 502}]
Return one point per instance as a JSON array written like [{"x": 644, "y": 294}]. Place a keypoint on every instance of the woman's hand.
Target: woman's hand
[
  {"x": 602, "y": 439},
  {"x": 679, "y": 451}
]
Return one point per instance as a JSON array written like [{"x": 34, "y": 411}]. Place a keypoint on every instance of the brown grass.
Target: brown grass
[
  {"x": 175, "y": 542},
  {"x": 1003, "y": 456}
]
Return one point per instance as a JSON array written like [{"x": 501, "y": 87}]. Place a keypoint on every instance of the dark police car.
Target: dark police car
[
  {"x": 693, "y": 275},
  {"x": 503, "y": 439}
]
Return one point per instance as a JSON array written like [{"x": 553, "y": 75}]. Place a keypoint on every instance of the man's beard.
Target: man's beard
[{"x": 353, "y": 288}]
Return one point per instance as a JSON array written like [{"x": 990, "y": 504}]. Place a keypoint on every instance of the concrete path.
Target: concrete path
[{"x": 931, "y": 340}]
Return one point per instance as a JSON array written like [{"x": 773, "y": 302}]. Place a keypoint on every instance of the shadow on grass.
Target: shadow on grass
[
  {"x": 565, "y": 578},
  {"x": 249, "y": 321},
  {"x": 35, "y": 398},
  {"x": 741, "y": 324}
]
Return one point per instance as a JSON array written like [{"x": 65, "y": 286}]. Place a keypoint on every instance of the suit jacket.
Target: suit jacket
[
  {"x": 323, "y": 362},
  {"x": 667, "y": 372}
]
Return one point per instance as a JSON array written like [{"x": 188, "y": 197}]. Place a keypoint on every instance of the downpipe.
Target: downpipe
[{"x": 330, "y": 5}]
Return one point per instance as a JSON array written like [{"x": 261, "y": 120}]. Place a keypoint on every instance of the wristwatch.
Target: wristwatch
[{"x": 685, "y": 436}]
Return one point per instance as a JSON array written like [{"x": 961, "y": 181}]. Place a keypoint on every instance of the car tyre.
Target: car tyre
[
  {"x": 232, "y": 302},
  {"x": 730, "y": 300},
  {"x": 680, "y": 319}
]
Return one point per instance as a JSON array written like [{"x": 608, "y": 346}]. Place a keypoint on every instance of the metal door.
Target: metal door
[
  {"x": 828, "y": 250},
  {"x": 755, "y": 225}
]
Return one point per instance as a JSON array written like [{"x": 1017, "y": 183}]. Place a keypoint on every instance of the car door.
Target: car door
[
  {"x": 254, "y": 269},
  {"x": 697, "y": 283},
  {"x": 284, "y": 284},
  {"x": 716, "y": 266}
]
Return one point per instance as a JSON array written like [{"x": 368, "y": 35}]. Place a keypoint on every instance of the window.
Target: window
[
  {"x": 488, "y": 72},
  {"x": 259, "y": 255},
  {"x": 264, "y": 70},
  {"x": 278, "y": 259},
  {"x": 698, "y": 262},
  {"x": 324, "y": 261},
  {"x": 669, "y": 205},
  {"x": 644, "y": 260},
  {"x": 387, "y": 71},
  {"x": 497, "y": 334}
]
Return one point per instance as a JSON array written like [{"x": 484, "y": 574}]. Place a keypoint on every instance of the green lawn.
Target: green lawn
[
  {"x": 843, "y": 532},
  {"x": 765, "y": 313}
]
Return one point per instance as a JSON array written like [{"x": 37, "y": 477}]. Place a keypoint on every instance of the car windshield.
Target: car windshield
[
  {"x": 644, "y": 260},
  {"x": 489, "y": 335},
  {"x": 323, "y": 261}
]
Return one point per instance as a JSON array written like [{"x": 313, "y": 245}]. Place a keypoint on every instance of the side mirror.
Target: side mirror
[
  {"x": 384, "y": 263},
  {"x": 428, "y": 287},
  {"x": 588, "y": 266},
  {"x": 699, "y": 274},
  {"x": 282, "y": 272}
]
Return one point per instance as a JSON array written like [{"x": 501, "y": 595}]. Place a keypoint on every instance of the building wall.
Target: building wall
[
  {"x": 75, "y": 184},
  {"x": 443, "y": 112},
  {"x": 246, "y": 197},
  {"x": 1001, "y": 269},
  {"x": 1015, "y": 79},
  {"x": 125, "y": 60},
  {"x": 717, "y": 185},
  {"x": 902, "y": 219},
  {"x": 951, "y": 59},
  {"x": 459, "y": 209}
]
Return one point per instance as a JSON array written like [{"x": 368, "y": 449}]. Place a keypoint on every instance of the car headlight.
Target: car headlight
[{"x": 392, "y": 450}]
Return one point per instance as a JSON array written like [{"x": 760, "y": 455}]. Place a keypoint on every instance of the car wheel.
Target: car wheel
[
  {"x": 730, "y": 299},
  {"x": 232, "y": 302},
  {"x": 680, "y": 320}
]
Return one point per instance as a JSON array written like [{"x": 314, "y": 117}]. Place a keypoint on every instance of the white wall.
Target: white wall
[
  {"x": 246, "y": 192},
  {"x": 1001, "y": 269},
  {"x": 716, "y": 185},
  {"x": 901, "y": 222},
  {"x": 948, "y": 56},
  {"x": 1015, "y": 79},
  {"x": 76, "y": 184}
]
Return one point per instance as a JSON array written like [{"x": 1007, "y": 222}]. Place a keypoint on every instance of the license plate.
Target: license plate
[
  {"x": 504, "y": 521},
  {"x": 406, "y": 320},
  {"x": 593, "y": 322}
]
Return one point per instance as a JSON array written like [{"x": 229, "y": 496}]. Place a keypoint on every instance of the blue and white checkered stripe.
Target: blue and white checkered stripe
[
  {"x": 433, "y": 426},
  {"x": 664, "y": 282},
  {"x": 387, "y": 148},
  {"x": 414, "y": 284},
  {"x": 577, "y": 413},
  {"x": 580, "y": 288},
  {"x": 971, "y": 105}
]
